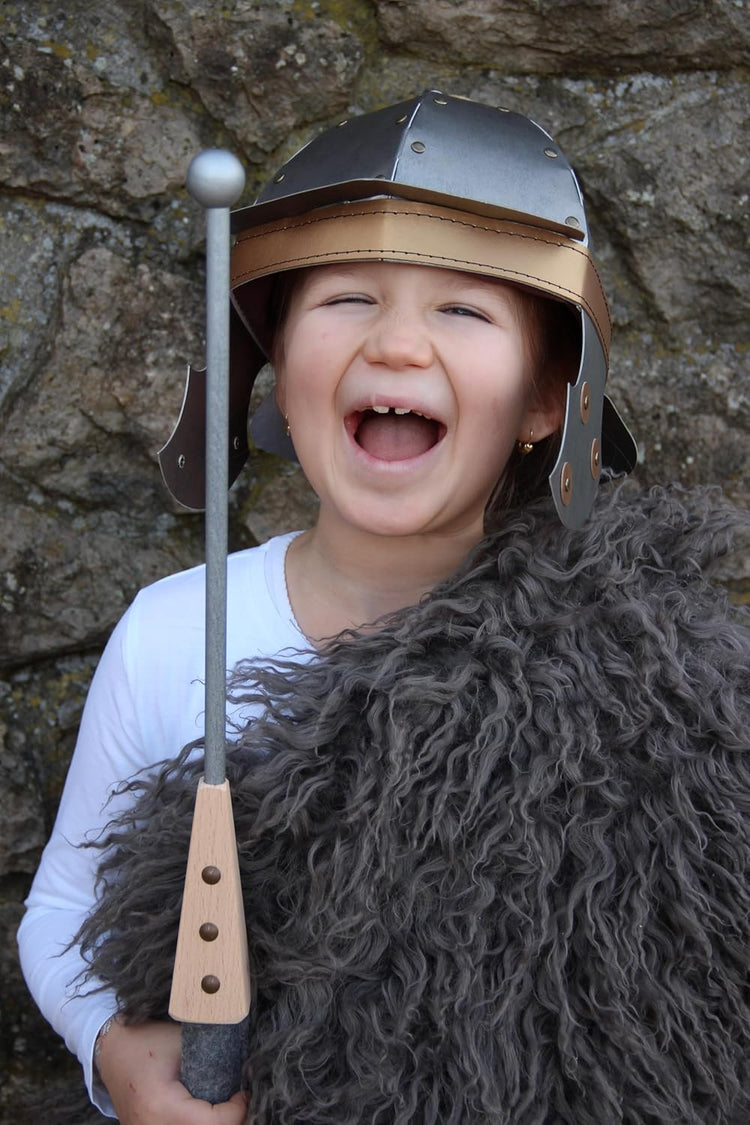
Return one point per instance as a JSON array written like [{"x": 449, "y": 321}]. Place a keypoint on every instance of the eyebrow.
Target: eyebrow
[
  {"x": 345, "y": 269},
  {"x": 348, "y": 271}
]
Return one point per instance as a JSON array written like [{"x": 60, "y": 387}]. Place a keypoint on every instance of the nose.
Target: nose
[{"x": 398, "y": 340}]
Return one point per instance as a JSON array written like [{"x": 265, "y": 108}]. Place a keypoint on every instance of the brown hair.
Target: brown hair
[{"x": 552, "y": 332}]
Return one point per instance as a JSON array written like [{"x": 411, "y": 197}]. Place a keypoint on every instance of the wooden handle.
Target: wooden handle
[{"x": 211, "y": 980}]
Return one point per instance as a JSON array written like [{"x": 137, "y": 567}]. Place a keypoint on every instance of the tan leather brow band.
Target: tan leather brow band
[{"x": 400, "y": 230}]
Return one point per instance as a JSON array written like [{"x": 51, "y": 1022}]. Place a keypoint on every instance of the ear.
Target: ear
[{"x": 545, "y": 413}]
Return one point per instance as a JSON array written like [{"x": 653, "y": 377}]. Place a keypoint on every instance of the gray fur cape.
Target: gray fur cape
[{"x": 494, "y": 854}]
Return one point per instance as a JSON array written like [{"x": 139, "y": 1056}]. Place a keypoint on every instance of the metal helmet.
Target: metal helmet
[{"x": 436, "y": 180}]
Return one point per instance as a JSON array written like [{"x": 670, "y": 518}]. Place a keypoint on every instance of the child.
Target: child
[{"x": 492, "y": 838}]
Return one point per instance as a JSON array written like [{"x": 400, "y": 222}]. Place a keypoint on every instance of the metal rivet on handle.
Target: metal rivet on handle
[
  {"x": 210, "y": 875},
  {"x": 210, "y": 984},
  {"x": 209, "y": 931}
]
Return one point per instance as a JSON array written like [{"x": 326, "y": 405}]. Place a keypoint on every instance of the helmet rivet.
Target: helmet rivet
[
  {"x": 236, "y": 443},
  {"x": 278, "y": 178},
  {"x": 344, "y": 122},
  {"x": 596, "y": 458},
  {"x": 550, "y": 152},
  {"x": 503, "y": 109},
  {"x": 566, "y": 483},
  {"x": 181, "y": 461},
  {"x": 440, "y": 101},
  {"x": 585, "y": 402},
  {"x": 418, "y": 146},
  {"x": 572, "y": 221},
  {"x": 400, "y": 120}
]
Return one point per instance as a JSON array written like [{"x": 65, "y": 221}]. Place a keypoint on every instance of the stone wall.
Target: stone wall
[{"x": 101, "y": 290}]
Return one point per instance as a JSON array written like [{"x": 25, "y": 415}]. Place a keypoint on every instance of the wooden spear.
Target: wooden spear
[{"x": 211, "y": 981}]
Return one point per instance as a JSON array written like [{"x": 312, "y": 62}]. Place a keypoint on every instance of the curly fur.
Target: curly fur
[{"x": 493, "y": 854}]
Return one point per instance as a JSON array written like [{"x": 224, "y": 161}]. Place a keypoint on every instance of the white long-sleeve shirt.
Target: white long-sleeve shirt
[{"x": 145, "y": 703}]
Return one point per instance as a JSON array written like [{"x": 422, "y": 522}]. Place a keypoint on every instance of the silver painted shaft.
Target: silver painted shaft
[
  {"x": 215, "y": 179},
  {"x": 217, "y": 485}
]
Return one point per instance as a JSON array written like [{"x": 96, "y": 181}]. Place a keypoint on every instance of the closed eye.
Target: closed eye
[
  {"x": 350, "y": 299},
  {"x": 464, "y": 310}
]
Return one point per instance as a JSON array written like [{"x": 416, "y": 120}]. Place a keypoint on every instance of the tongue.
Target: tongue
[{"x": 394, "y": 437}]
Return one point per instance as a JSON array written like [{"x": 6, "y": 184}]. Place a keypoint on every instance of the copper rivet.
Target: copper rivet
[
  {"x": 209, "y": 931},
  {"x": 210, "y": 984},
  {"x": 566, "y": 483},
  {"x": 210, "y": 875},
  {"x": 596, "y": 458},
  {"x": 440, "y": 101},
  {"x": 181, "y": 461},
  {"x": 572, "y": 221},
  {"x": 585, "y": 402},
  {"x": 418, "y": 146},
  {"x": 279, "y": 178},
  {"x": 400, "y": 120},
  {"x": 550, "y": 152}
]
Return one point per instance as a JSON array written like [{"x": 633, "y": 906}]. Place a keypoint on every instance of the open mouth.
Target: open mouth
[{"x": 394, "y": 433}]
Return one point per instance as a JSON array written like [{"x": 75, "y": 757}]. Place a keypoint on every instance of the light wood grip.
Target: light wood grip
[{"x": 211, "y": 979}]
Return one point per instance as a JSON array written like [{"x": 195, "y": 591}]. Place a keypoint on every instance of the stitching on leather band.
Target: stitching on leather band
[{"x": 352, "y": 213}]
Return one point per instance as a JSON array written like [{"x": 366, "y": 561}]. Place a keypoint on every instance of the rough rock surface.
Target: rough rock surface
[
  {"x": 101, "y": 107},
  {"x": 575, "y": 37}
]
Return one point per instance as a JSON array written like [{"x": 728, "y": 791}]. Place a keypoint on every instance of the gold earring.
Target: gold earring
[{"x": 525, "y": 447}]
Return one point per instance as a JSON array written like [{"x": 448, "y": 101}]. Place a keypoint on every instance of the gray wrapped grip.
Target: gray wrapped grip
[{"x": 212, "y": 1058}]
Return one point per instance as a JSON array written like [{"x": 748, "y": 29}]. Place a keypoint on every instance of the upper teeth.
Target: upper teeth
[{"x": 396, "y": 410}]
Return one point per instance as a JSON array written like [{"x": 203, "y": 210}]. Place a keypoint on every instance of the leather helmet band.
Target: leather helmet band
[{"x": 405, "y": 231}]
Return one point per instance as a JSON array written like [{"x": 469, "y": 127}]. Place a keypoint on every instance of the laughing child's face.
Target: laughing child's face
[{"x": 406, "y": 388}]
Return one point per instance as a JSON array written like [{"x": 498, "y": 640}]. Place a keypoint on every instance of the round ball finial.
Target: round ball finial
[{"x": 215, "y": 178}]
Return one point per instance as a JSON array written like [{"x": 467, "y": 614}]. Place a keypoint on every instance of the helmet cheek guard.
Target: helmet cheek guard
[{"x": 435, "y": 181}]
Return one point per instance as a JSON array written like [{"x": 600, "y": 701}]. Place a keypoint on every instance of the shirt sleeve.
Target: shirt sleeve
[
  {"x": 146, "y": 702},
  {"x": 108, "y": 750}
]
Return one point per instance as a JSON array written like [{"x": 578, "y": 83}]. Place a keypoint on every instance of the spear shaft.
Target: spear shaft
[
  {"x": 217, "y": 485},
  {"x": 211, "y": 984}
]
